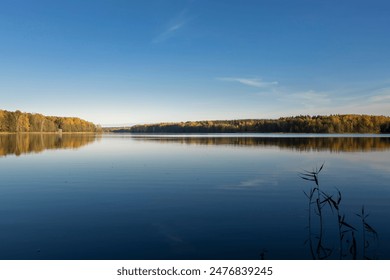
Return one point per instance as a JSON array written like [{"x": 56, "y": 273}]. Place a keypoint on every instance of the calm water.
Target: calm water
[{"x": 184, "y": 196}]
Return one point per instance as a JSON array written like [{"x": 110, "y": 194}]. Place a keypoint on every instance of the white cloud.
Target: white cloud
[
  {"x": 312, "y": 98},
  {"x": 382, "y": 95},
  {"x": 173, "y": 27},
  {"x": 310, "y": 95},
  {"x": 303, "y": 101},
  {"x": 284, "y": 100},
  {"x": 258, "y": 83},
  {"x": 335, "y": 106}
]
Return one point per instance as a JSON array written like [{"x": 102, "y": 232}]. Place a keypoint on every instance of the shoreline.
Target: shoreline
[{"x": 242, "y": 133}]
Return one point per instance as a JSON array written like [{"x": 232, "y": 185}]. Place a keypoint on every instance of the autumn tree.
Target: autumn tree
[
  {"x": 299, "y": 124},
  {"x": 26, "y": 122}
]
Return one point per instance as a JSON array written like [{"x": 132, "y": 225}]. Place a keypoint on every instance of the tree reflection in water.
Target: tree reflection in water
[
  {"x": 332, "y": 144},
  {"x": 24, "y": 143}
]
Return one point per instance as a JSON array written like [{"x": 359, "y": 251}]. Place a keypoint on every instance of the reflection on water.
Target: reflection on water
[
  {"x": 17, "y": 144},
  {"x": 332, "y": 144},
  {"x": 183, "y": 196}
]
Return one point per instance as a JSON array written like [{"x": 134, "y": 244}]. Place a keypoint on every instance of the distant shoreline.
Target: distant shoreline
[{"x": 343, "y": 124}]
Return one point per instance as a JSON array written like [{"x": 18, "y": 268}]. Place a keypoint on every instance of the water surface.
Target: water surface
[{"x": 181, "y": 196}]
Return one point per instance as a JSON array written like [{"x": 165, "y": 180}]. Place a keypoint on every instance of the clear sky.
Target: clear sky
[{"x": 139, "y": 61}]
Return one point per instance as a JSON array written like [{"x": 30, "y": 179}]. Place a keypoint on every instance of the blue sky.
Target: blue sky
[{"x": 123, "y": 62}]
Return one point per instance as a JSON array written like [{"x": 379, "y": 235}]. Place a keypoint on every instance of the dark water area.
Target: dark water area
[{"x": 220, "y": 196}]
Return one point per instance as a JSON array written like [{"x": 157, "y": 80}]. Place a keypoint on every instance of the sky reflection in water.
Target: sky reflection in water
[{"x": 168, "y": 197}]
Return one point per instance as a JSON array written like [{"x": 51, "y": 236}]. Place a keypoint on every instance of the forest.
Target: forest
[
  {"x": 26, "y": 122},
  {"x": 298, "y": 124}
]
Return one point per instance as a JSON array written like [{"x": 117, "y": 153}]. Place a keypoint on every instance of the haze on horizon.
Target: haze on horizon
[{"x": 119, "y": 62}]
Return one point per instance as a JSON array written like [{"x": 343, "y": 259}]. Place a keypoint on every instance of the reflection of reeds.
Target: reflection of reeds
[
  {"x": 366, "y": 229},
  {"x": 347, "y": 244}
]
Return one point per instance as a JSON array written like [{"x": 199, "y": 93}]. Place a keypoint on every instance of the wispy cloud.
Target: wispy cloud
[
  {"x": 252, "y": 82},
  {"x": 355, "y": 100},
  {"x": 286, "y": 100},
  {"x": 311, "y": 98},
  {"x": 173, "y": 27},
  {"x": 382, "y": 95}
]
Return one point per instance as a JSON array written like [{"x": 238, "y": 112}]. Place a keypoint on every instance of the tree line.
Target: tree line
[
  {"x": 26, "y": 122},
  {"x": 298, "y": 124}
]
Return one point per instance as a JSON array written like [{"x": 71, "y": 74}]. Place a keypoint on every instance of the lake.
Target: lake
[{"x": 225, "y": 196}]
